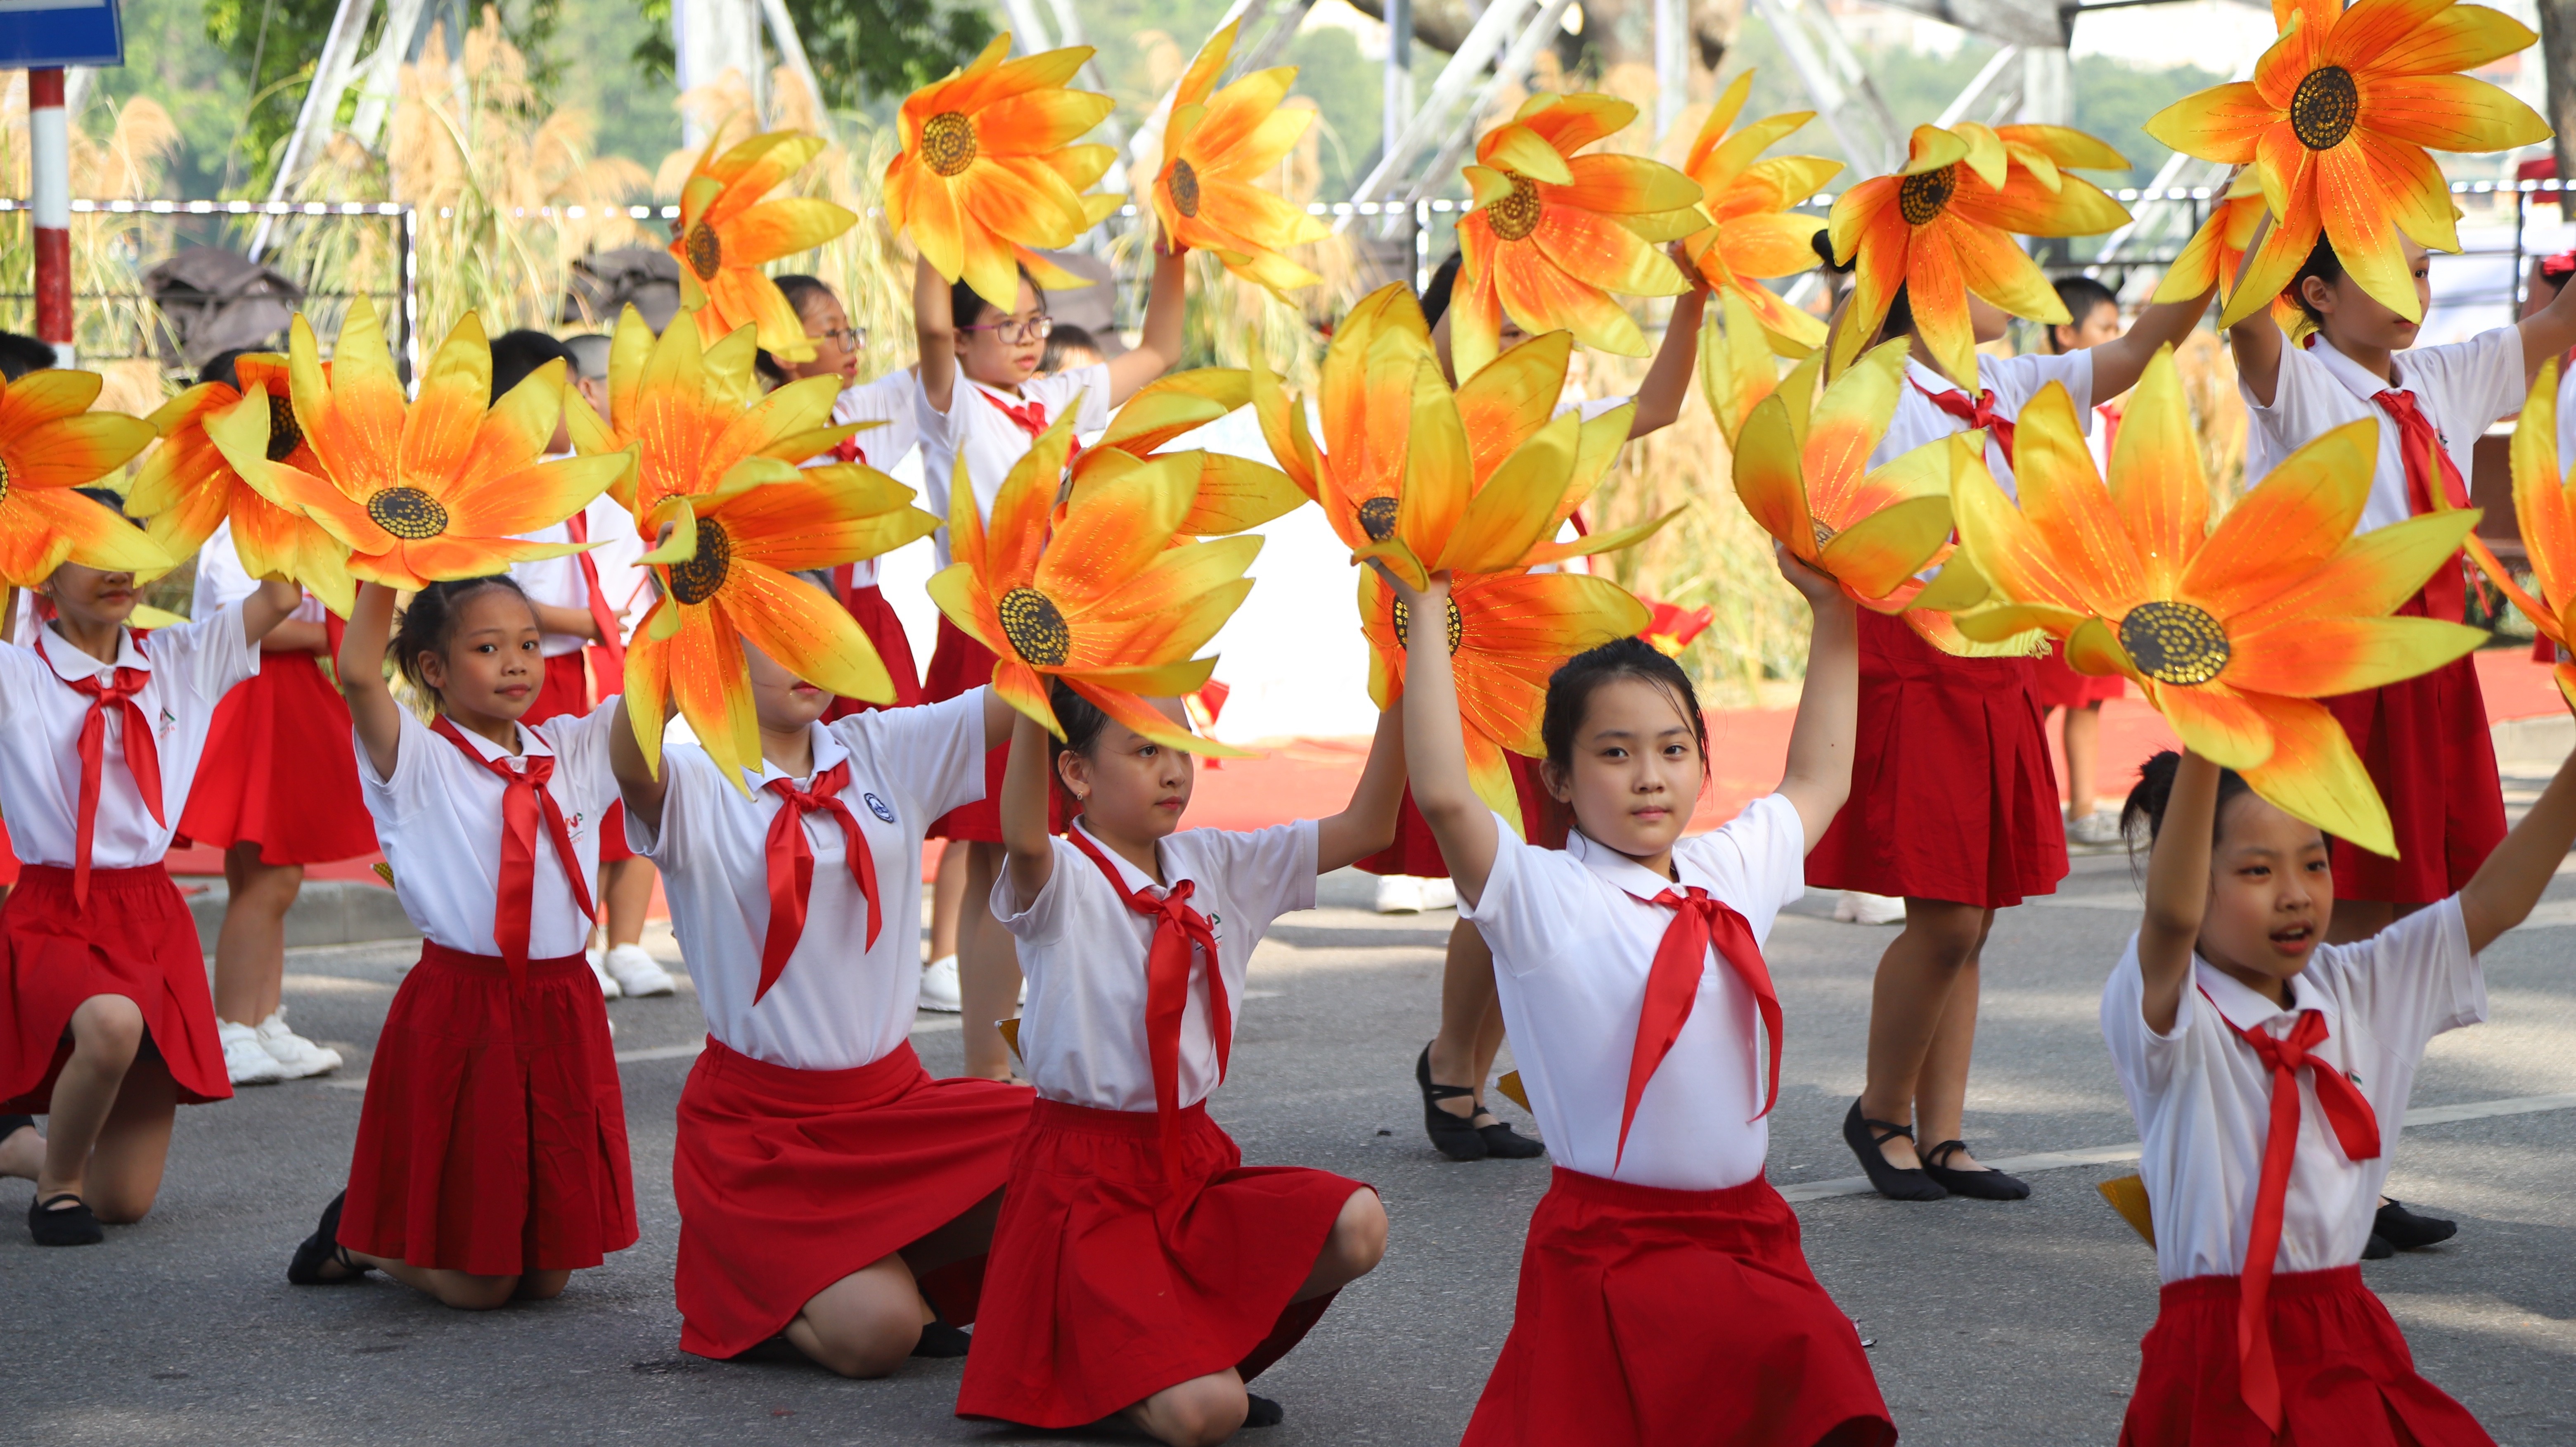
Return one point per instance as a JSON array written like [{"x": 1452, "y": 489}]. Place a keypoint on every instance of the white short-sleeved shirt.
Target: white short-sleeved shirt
[
  {"x": 838, "y": 1003},
  {"x": 222, "y": 580},
  {"x": 2013, "y": 380},
  {"x": 991, "y": 442},
  {"x": 2203, "y": 1100},
  {"x": 192, "y": 667},
  {"x": 1082, "y": 1032},
  {"x": 2461, "y": 388},
  {"x": 557, "y": 582},
  {"x": 1574, "y": 938},
  {"x": 438, "y": 820},
  {"x": 893, "y": 402}
]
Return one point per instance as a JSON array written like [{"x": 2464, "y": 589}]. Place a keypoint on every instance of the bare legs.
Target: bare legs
[
  {"x": 2083, "y": 731},
  {"x": 109, "y": 1129},
  {"x": 1923, "y": 1026},
  {"x": 1471, "y": 1021},
  {"x": 988, "y": 965},
  {"x": 868, "y": 1322},
  {"x": 464, "y": 1290},
  {"x": 625, "y": 893},
  {"x": 1209, "y": 1409},
  {"x": 250, "y": 950}
]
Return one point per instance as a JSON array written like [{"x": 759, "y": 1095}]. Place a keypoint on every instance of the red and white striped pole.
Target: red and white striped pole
[{"x": 51, "y": 201}]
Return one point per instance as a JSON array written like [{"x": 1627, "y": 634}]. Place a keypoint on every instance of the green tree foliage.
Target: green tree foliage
[{"x": 862, "y": 50}]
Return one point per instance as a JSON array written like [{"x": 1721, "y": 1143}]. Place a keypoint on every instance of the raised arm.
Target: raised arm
[
  {"x": 2120, "y": 362},
  {"x": 2500, "y": 895},
  {"x": 274, "y": 603},
  {"x": 1660, "y": 396},
  {"x": 2547, "y": 333},
  {"x": 2256, "y": 340},
  {"x": 934, "y": 332},
  {"x": 573, "y": 622},
  {"x": 1435, "y": 750},
  {"x": 1026, "y": 780},
  {"x": 636, "y": 782},
  {"x": 2177, "y": 889},
  {"x": 361, "y": 666},
  {"x": 999, "y": 719},
  {"x": 1158, "y": 350},
  {"x": 1818, "y": 778},
  {"x": 1367, "y": 824}
]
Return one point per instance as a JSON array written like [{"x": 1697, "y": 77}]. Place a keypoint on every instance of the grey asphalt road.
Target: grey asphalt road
[{"x": 1990, "y": 1323}]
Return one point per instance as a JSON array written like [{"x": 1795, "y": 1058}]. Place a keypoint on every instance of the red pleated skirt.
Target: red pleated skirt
[
  {"x": 135, "y": 938},
  {"x": 789, "y": 1180},
  {"x": 279, "y": 771},
  {"x": 2054, "y": 685},
  {"x": 876, "y": 618},
  {"x": 2426, "y": 745},
  {"x": 493, "y": 1137},
  {"x": 1656, "y": 1318},
  {"x": 2347, "y": 1379},
  {"x": 1416, "y": 852},
  {"x": 1953, "y": 795},
  {"x": 1108, "y": 1283},
  {"x": 959, "y": 663}
]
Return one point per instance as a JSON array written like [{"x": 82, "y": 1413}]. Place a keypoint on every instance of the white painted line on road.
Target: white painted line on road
[
  {"x": 2128, "y": 1150},
  {"x": 922, "y": 1025}
]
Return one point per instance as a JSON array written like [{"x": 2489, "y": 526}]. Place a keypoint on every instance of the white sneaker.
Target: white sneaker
[
  {"x": 1399, "y": 894},
  {"x": 608, "y": 989},
  {"x": 245, "y": 1060},
  {"x": 637, "y": 973},
  {"x": 2101, "y": 827},
  {"x": 939, "y": 986},
  {"x": 1439, "y": 894},
  {"x": 294, "y": 1054},
  {"x": 1858, "y": 907}
]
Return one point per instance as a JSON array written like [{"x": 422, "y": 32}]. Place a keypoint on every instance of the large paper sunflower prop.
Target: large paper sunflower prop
[
  {"x": 2336, "y": 122},
  {"x": 50, "y": 443},
  {"x": 1737, "y": 367},
  {"x": 186, "y": 489},
  {"x": 1551, "y": 235},
  {"x": 1943, "y": 227},
  {"x": 1807, "y": 480},
  {"x": 2233, "y": 631},
  {"x": 1356, "y": 474},
  {"x": 433, "y": 489},
  {"x": 696, "y": 418},
  {"x": 1215, "y": 147},
  {"x": 1108, "y": 596},
  {"x": 988, "y": 168},
  {"x": 1234, "y": 493},
  {"x": 726, "y": 233},
  {"x": 2544, "y": 506},
  {"x": 1757, "y": 234}
]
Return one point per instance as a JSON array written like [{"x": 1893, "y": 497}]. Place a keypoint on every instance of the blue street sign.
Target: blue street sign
[{"x": 39, "y": 33}]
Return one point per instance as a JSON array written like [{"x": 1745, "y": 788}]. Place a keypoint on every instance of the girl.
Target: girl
[
  {"x": 981, "y": 405},
  {"x": 108, "y": 1025},
  {"x": 1663, "y": 1295},
  {"x": 2267, "y": 1068},
  {"x": 1452, "y": 1069},
  {"x": 1954, "y": 801},
  {"x": 491, "y": 1155},
  {"x": 2053, "y": 685},
  {"x": 1139, "y": 1268},
  {"x": 2425, "y": 740},
  {"x": 826, "y": 1183}
]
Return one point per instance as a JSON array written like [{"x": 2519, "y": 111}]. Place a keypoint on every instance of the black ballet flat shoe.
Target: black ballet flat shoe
[
  {"x": 1503, "y": 1143},
  {"x": 2406, "y": 1231},
  {"x": 1262, "y": 1412},
  {"x": 1988, "y": 1185},
  {"x": 53, "y": 1224},
  {"x": 321, "y": 1249},
  {"x": 939, "y": 1339},
  {"x": 2377, "y": 1248},
  {"x": 1864, "y": 1136},
  {"x": 1454, "y": 1136}
]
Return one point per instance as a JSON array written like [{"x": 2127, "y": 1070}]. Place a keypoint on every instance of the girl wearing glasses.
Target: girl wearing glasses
[{"x": 981, "y": 405}]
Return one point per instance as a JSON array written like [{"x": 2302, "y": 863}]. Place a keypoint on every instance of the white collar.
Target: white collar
[
  {"x": 828, "y": 750},
  {"x": 72, "y": 664},
  {"x": 2357, "y": 379},
  {"x": 1135, "y": 879},
  {"x": 1625, "y": 872},
  {"x": 1929, "y": 380},
  {"x": 2242, "y": 1008},
  {"x": 531, "y": 743}
]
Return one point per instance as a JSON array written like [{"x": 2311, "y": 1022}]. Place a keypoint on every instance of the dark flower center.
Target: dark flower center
[
  {"x": 1920, "y": 197},
  {"x": 948, "y": 142},
  {"x": 706, "y": 253},
  {"x": 2175, "y": 643},
  {"x": 1516, "y": 215},
  {"x": 1823, "y": 534},
  {"x": 284, "y": 433},
  {"x": 1377, "y": 518},
  {"x": 1185, "y": 188},
  {"x": 2324, "y": 107},
  {"x": 4, "y": 479},
  {"x": 408, "y": 513},
  {"x": 696, "y": 580},
  {"x": 1035, "y": 628},
  {"x": 1404, "y": 625}
]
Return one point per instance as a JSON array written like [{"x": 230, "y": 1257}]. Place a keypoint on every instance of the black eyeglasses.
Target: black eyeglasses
[{"x": 1015, "y": 331}]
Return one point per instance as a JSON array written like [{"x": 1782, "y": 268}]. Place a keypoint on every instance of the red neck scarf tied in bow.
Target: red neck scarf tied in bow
[
  {"x": 791, "y": 866},
  {"x": 1180, "y": 933},
  {"x": 1979, "y": 412},
  {"x": 1672, "y": 987},
  {"x": 2356, "y": 1128},
  {"x": 142, "y": 754},
  {"x": 849, "y": 450},
  {"x": 1030, "y": 417},
  {"x": 2429, "y": 467},
  {"x": 524, "y": 801}
]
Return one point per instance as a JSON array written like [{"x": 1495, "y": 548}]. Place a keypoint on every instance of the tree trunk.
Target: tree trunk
[{"x": 2558, "y": 69}]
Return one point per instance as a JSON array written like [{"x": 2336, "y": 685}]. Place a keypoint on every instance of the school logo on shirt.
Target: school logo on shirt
[
  {"x": 167, "y": 722},
  {"x": 878, "y": 807}
]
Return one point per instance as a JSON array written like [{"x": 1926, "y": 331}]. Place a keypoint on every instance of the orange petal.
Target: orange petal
[
  {"x": 2313, "y": 774},
  {"x": 2357, "y": 220},
  {"x": 2069, "y": 508},
  {"x": 2319, "y": 657},
  {"x": 2215, "y": 722},
  {"x": 2288, "y": 525},
  {"x": 2219, "y": 124},
  {"x": 801, "y": 628},
  {"x": 2156, "y": 481}
]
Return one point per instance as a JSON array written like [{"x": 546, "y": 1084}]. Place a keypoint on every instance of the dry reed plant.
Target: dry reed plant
[{"x": 118, "y": 152}]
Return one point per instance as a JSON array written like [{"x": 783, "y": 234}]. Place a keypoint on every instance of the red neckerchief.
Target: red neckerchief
[
  {"x": 2110, "y": 413},
  {"x": 1978, "y": 413},
  {"x": 142, "y": 755},
  {"x": 524, "y": 801},
  {"x": 1179, "y": 933},
  {"x": 849, "y": 450},
  {"x": 791, "y": 866},
  {"x": 2428, "y": 465},
  {"x": 1030, "y": 417},
  {"x": 2356, "y": 1128},
  {"x": 1672, "y": 988},
  {"x": 612, "y": 643}
]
